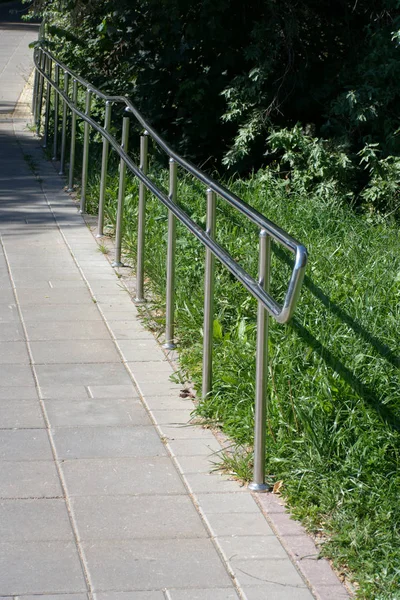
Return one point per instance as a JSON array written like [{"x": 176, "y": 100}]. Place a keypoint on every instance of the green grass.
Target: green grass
[{"x": 334, "y": 387}]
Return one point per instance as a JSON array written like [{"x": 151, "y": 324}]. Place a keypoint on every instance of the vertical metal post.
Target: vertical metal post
[
  {"x": 260, "y": 413},
  {"x": 85, "y": 159},
  {"x": 35, "y": 88},
  {"x": 64, "y": 126},
  {"x": 73, "y": 136},
  {"x": 141, "y": 221},
  {"x": 208, "y": 298},
  {"x": 121, "y": 195},
  {"x": 49, "y": 69},
  {"x": 56, "y": 98},
  {"x": 40, "y": 92},
  {"x": 103, "y": 178},
  {"x": 170, "y": 309}
]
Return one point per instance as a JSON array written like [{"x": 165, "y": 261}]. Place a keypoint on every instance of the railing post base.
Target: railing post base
[
  {"x": 169, "y": 346},
  {"x": 259, "y": 487}
]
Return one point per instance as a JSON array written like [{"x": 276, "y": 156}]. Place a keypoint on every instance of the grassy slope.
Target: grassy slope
[{"x": 334, "y": 410}]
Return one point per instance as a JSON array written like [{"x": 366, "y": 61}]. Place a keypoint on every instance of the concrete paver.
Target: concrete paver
[{"x": 97, "y": 502}]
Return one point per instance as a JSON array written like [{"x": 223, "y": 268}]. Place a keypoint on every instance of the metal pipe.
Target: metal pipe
[
  {"x": 64, "y": 126},
  {"x": 121, "y": 195},
  {"x": 170, "y": 308},
  {"x": 103, "y": 178},
  {"x": 73, "y": 138},
  {"x": 141, "y": 221},
  {"x": 34, "y": 94},
  {"x": 49, "y": 68},
  {"x": 40, "y": 93},
  {"x": 260, "y": 410},
  {"x": 208, "y": 298},
  {"x": 283, "y": 312},
  {"x": 85, "y": 159},
  {"x": 55, "y": 139}
]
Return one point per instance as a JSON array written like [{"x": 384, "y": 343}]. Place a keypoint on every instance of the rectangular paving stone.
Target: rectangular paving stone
[
  {"x": 136, "y": 517},
  {"x": 252, "y": 546},
  {"x": 213, "y": 482},
  {"x": 59, "y": 392},
  {"x": 56, "y": 597},
  {"x": 332, "y": 592},
  {"x": 33, "y": 520},
  {"x": 187, "y": 431},
  {"x": 61, "y": 312},
  {"x": 141, "y": 350},
  {"x": 11, "y": 332},
  {"x": 222, "y": 524},
  {"x": 145, "y": 371},
  {"x": 83, "y": 374},
  {"x": 122, "y": 476},
  {"x": 156, "y": 595},
  {"x": 169, "y": 402},
  {"x": 9, "y": 313},
  {"x": 27, "y": 277},
  {"x": 66, "y": 330},
  {"x": 194, "y": 447},
  {"x": 16, "y": 376},
  {"x": 39, "y": 568},
  {"x": 7, "y": 294},
  {"x": 154, "y": 564},
  {"x": 13, "y": 353},
  {"x": 204, "y": 594},
  {"x": 20, "y": 414},
  {"x": 173, "y": 417},
  {"x": 130, "y": 330},
  {"x": 16, "y": 392},
  {"x": 159, "y": 388},
  {"x": 51, "y": 296},
  {"x": 24, "y": 444},
  {"x": 278, "y": 592},
  {"x": 227, "y": 503},
  {"x": 278, "y": 571},
  {"x": 197, "y": 464},
  {"x": 107, "y": 442},
  {"x": 96, "y": 412},
  {"x": 113, "y": 391},
  {"x": 29, "y": 479},
  {"x": 74, "y": 351}
]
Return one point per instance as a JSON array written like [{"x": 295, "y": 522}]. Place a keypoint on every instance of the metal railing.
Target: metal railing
[{"x": 47, "y": 75}]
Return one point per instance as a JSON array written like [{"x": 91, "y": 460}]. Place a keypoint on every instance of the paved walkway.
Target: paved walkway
[{"x": 105, "y": 489}]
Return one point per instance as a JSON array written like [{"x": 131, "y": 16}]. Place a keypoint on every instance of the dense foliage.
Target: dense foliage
[{"x": 218, "y": 77}]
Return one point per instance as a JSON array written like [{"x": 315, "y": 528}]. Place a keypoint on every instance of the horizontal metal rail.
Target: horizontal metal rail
[{"x": 44, "y": 62}]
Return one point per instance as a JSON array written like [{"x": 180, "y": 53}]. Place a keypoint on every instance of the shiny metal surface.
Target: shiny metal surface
[
  {"x": 48, "y": 66},
  {"x": 103, "y": 176},
  {"x": 73, "y": 137},
  {"x": 121, "y": 195},
  {"x": 85, "y": 159},
  {"x": 171, "y": 250},
  {"x": 259, "y": 289},
  {"x": 55, "y": 103},
  {"x": 260, "y": 410},
  {"x": 64, "y": 123},
  {"x": 208, "y": 324},
  {"x": 139, "y": 298}
]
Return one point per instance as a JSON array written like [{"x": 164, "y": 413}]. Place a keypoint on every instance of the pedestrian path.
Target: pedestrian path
[{"x": 105, "y": 486}]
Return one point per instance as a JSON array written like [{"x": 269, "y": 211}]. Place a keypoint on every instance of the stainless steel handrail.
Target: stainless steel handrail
[{"x": 44, "y": 61}]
